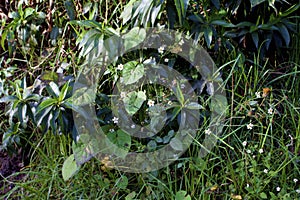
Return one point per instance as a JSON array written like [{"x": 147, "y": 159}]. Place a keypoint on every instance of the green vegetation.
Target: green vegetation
[{"x": 47, "y": 47}]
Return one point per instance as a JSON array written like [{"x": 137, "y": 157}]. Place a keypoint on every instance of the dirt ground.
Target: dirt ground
[{"x": 8, "y": 166}]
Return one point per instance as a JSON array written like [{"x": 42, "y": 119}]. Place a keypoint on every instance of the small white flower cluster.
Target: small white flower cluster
[
  {"x": 250, "y": 126},
  {"x": 120, "y": 67},
  {"x": 150, "y": 103},
  {"x": 207, "y": 131},
  {"x": 161, "y": 49},
  {"x": 115, "y": 120}
]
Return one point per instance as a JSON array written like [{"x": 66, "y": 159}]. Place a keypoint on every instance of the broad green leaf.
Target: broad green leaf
[
  {"x": 134, "y": 37},
  {"x": 263, "y": 195},
  {"x": 133, "y": 101},
  {"x": 130, "y": 196},
  {"x": 122, "y": 182},
  {"x": 69, "y": 168},
  {"x": 182, "y": 195},
  {"x": 176, "y": 144},
  {"x": 132, "y": 72},
  {"x": 46, "y": 103},
  {"x": 28, "y": 12},
  {"x": 122, "y": 142}
]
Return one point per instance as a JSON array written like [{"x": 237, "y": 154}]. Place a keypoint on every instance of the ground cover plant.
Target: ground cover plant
[{"x": 46, "y": 47}]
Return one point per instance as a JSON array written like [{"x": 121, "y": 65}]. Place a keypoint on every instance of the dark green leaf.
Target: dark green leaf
[
  {"x": 256, "y": 2},
  {"x": 208, "y": 33},
  {"x": 121, "y": 140},
  {"x": 216, "y": 3},
  {"x": 255, "y": 38},
  {"x": 284, "y": 33},
  {"x": 70, "y": 9}
]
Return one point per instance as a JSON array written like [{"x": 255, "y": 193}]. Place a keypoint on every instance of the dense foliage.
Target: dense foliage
[{"x": 46, "y": 45}]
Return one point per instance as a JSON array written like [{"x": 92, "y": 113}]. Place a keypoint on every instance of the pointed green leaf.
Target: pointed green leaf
[
  {"x": 46, "y": 103},
  {"x": 69, "y": 168},
  {"x": 63, "y": 92},
  {"x": 284, "y": 33}
]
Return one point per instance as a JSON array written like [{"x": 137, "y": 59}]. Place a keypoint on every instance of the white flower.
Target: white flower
[
  {"x": 207, "y": 131},
  {"x": 248, "y": 151},
  {"x": 181, "y": 42},
  {"x": 77, "y": 138},
  {"x": 120, "y": 67},
  {"x": 270, "y": 111},
  {"x": 247, "y": 185},
  {"x": 132, "y": 126},
  {"x": 170, "y": 103},
  {"x": 249, "y": 126},
  {"x": 161, "y": 49},
  {"x": 266, "y": 171},
  {"x": 261, "y": 151},
  {"x": 278, "y": 189},
  {"x": 257, "y": 94},
  {"x": 166, "y": 60},
  {"x": 111, "y": 130},
  {"x": 123, "y": 95},
  {"x": 150, "y": 103},
  {"x": 244, "y": 143},
  {"x": 298, "y": 191},
  {"x": 295, "y": 180},
  {"x": 115, "y": 120}
]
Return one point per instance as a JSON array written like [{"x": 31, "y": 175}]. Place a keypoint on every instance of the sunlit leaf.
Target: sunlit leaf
[
  {"x": 69, "y": 168},
  {"x": 133, "y": 101},
  {"x": 132, "y": 72}
]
